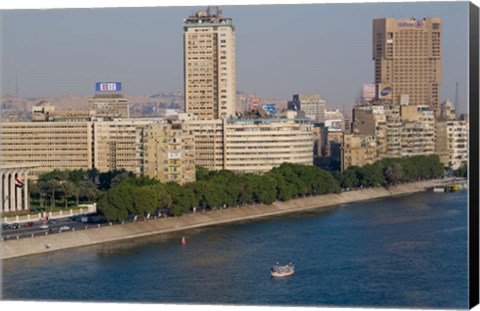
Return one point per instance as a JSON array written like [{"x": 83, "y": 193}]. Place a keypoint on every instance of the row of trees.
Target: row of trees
[
  {"x": 462, "y": 171},
  {"x": 83, "y": 186},
  {"x": 213, "y": 189},
  {"x": 390, "y": 171}
]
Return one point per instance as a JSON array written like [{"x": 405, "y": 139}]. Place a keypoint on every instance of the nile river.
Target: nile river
[{"x": 409, "y": 251}]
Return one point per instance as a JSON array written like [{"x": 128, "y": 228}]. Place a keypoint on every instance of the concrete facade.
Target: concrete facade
[
  {"x": 358, "y": 150},
  {"x": 52, "y": 145},
  {"x": 251, "y": 145},
  {"x": 104, "y": 145},
  {"x": 109, "y": 105},
  {"x": 170, "y": 152},
  {"x": 408, "y": 53},
  {"x": 418, "y": 130},
  {"x": 311, "y": 104},
  {"x": 457, "y": 143},
  {"x": 209, "y": 65}
]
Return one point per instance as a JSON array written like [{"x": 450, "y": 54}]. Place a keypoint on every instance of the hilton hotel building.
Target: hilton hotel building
[{"x": 408, "y": 56}]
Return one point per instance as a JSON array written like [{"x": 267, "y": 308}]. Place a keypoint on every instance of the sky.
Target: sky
[{"x": 281, "y": 50}]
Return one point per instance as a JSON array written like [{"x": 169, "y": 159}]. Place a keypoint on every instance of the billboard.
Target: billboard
[
  {"x": 271, "y": 109},
  {"x": 334, "y": 125},
  {"x": 108, "y": 87},
  {"x": 410, "y": 23},
  {"x": 369, "y": 91},
  {"x": 385, "y": 91}
]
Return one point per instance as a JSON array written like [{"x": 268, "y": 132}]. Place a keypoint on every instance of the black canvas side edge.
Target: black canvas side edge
[{"x": 473, "y": 166}]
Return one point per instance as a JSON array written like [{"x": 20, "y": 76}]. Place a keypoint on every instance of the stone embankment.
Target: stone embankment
[{"x": 37, "y": 245}]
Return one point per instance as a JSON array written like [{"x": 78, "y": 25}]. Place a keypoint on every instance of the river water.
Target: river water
[{"x": 408, "y": 251}]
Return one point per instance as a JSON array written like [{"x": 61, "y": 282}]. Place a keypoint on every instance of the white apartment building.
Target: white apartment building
[{"x": 457, "y": 143}]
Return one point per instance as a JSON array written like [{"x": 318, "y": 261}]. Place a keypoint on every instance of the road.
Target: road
[{"x": 53, "y": 227}]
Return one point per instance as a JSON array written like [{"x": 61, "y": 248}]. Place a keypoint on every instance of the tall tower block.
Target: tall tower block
[
  {"x": 209, "y": 65},
  {"x": 408, "y": 55}
]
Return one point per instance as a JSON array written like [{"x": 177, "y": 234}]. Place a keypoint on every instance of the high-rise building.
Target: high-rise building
[
  {"x": 209, "y": 65},
  {"x": 312, "y": 105},
  {"x": 408, "y": 56}
]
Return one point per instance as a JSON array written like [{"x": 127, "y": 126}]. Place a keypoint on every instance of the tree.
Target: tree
[
  {"x": 119, "y": 178},
  {"x": 68, "y": 189},
  {"x": 164, "y": 199},
  {"x": 43, "y": 190},
  {"x": 53, "y": 185},
  {"x": 349, "y": 178},
  {"x": 264, "y": 188},
  {"x": 87, "y": 190},
  {"x": 183, "y": 198},
  {"x": 76, "y": 176},
  {"x": 33, "y": 190},
  {"x": 393, "y": 173},
  {"x": 109, "y": 210},
  {"x": 201, "y": 173},
  {"x": 462, "y": 171},
  {"x": 370, "y": 175},
  {"x": 93, "y": 175}
]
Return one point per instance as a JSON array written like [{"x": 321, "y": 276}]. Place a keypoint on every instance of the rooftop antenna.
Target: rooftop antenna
[
  {"x": 16, "y": 82},
  {"x": 456, "y": 97}
]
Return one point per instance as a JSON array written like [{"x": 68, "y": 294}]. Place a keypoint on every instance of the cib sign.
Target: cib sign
[{"x": 108, "y": 86}]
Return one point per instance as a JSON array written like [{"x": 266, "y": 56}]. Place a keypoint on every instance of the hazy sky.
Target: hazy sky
[{"x": 281, "y": 50}]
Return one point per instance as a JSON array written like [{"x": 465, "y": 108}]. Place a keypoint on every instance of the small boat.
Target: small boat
[
  {"x": 439, "y": 189},
  {"x": 278, "y": 271}
]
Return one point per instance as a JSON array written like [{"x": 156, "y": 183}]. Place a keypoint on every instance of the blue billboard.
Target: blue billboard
[
  {"x": 271, "y": 109},
  {"x": 108, "y": 86}
]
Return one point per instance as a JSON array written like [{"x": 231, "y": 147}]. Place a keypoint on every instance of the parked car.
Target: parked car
[
  {"x": 28, "y": 224},
  {"x": 15, "y": 226},
  {"x": 64, "y": 228},
  {"x": 6, "y": 226},
  {"x": 44, "y": 226}
]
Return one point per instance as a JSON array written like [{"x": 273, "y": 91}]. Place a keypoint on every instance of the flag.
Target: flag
[{"x": 18, "y": 183}]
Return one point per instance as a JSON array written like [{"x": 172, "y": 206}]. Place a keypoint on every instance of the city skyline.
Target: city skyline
[{"x": 146, "y": 55}]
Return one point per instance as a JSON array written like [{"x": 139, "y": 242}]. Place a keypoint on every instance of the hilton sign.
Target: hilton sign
[{"x": 410, "y": 23}]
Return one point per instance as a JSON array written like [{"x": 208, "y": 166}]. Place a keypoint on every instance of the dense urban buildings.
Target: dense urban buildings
[
  {"x": 113, "y": 105},
  {"x": 251, "y": 145},
  {"x": 43, "y": 111},
  {"x": 311, "y": 104},
  {"x": 51, "y": 145},
  {"x": 359, "y": 150},
  {"x": 408, "y": 59},
  {"x": 418, "y": 130},
  {"x": 170, "y": 151},
  {"x": 398, "y": 115},
  {"x": 209, "y": 60}
]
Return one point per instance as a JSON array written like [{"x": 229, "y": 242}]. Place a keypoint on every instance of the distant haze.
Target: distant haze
[{"x": 281, "y": 50}]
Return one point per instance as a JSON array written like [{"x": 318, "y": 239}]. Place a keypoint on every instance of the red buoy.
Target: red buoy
[{"x": 184, "y": 242}]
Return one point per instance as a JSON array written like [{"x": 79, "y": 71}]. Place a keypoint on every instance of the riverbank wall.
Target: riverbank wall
[{"x": 141, "y": 228}]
